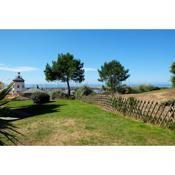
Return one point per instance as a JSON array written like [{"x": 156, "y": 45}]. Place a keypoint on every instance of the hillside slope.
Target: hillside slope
[{"x": 158, "y": 95}]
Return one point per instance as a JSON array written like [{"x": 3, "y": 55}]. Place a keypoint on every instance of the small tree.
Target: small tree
[
  {"x": 65, "y": 69},
  {"x": 113, "y": 73},
  {"x": 172, "y": 70}
]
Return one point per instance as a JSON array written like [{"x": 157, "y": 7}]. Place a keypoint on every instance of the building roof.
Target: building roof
[{"x": 18, "y": 78}]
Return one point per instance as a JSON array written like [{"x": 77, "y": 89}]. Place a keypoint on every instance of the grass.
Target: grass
[{"x": 72, "y": 122}]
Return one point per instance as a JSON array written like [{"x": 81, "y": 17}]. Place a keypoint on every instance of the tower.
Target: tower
[{"x": 19, "y": 84}]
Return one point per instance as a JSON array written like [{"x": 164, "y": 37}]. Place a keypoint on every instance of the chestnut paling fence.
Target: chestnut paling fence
[{"x": 161, "y": 114}]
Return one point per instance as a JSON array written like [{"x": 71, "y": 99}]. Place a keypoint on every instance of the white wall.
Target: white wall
[{"x": 18, "y": 87}]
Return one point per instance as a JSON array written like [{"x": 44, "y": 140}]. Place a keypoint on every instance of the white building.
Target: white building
[{"x": 19, "y": 84}]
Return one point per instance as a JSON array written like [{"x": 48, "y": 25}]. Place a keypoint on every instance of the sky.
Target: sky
[{"x": 148, "y": 54}]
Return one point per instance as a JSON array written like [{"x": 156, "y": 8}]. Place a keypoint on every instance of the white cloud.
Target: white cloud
[
  {"x": 89, "y": 69},
  {"x": 17, "y": 69}
]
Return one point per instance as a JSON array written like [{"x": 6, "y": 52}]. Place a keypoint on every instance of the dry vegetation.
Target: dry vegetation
[{"x": 159, "y": 95}]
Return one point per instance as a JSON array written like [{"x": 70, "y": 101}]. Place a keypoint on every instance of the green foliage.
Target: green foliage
[
  {"x": 132, "y": 101},
  {"x": 8, "y": 133},
  {"x": 113, "y": 74},
  {"x": 147, "y": 88},
  {"x": 5, "y": 91},
  {"x": 78, "y": 93},
  {"x": 64, "y": 69},
  {"x": 40, "y": 97},
  {"x": 1, "y": 85},
  {"x": 86, "y": 90},
  {"x": 106, "y": 89},
  {"x": 83, "y": 91},
  {"x": 3, "y": 94},
  {"x": 172, "y": 70},
  {"x": 116, "y": 102},
  {"x": 59, "y": 95},
  {"x": 7, "y": 130},
  {"x": 120, "y": 103},
  {"x": 168, "y": 103},
  {"x": 143, "y": 88},
  {"x": 173, "y": 80},
  {"x": 124, "y": 89}
]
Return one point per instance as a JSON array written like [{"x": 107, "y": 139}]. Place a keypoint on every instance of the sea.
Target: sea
[{"x": 98, "y": 85}]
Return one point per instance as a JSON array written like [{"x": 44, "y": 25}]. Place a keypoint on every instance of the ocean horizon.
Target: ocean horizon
[{"x": 97, "y": 85}]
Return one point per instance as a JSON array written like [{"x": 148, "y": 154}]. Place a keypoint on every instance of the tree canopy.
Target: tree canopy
[
  {"x": 65, "y": 69},
  {"x": 172, "y": 70},
  {"x": 113, "y": 73}
]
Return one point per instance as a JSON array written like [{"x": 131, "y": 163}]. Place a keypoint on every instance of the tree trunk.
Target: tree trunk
[{"x": 68, "y": 88}]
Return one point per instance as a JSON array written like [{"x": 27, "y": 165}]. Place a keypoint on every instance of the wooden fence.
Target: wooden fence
[{"x": 148, "y": 111}]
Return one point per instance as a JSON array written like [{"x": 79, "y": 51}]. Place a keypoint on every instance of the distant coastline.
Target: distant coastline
[{"x": 98, "y": 85}]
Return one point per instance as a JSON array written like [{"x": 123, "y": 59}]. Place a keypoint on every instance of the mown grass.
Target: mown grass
[{"x": 72, "y": 122}]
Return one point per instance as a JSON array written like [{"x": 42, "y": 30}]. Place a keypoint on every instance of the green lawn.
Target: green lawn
[{"x": 72, "y": 122}]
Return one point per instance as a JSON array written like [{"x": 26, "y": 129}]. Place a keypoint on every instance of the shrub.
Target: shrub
[
  {"x": 168, "y": 103},
  {"x": 40, "y": 97},
  {"x": 71, "y": 97},
  {"x": 147, "y": 88},
  {"x": 119, "y": 104},
  {"x": 78, "y": 93},
  {"x": 124, "y": 89},
  {"x": 106, "y": 89},
  {"x": 116, "y": 102},
  {"x": 83, "y": 91},
  {"x": 86, "y": 90},
  {"x": 132, "y": 101},
  {"x": 28, "y": 93},
  {"x": 59, "y": 95}
]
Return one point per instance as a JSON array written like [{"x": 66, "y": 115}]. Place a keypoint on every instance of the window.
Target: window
[{"x": 18, "y": 86}]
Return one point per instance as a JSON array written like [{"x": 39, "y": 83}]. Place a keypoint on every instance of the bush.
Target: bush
[
  {"x": 40, "y": 97},
  {"x": 132, "y": 101},
  {"x": 28, "y": 93},
  {"x": 59, "y": 95},
  {"x": 87, "y": 90},
  {"x": 124, "y": 89},
  {"x": 168, "y": 103},
  {"x": 71, "y": 97},
  {"x": 78, "y": 93},
  {"x": 83, "y": 91},
  {"x": 147, "y": 88}
]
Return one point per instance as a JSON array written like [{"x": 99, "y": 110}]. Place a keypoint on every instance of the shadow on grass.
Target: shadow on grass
[
  {"x": 8, "y": 132},
  {"x": 30, "y": 111}
]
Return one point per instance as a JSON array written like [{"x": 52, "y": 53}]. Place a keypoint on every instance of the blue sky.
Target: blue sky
[{"x": 148, "y": 54}]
